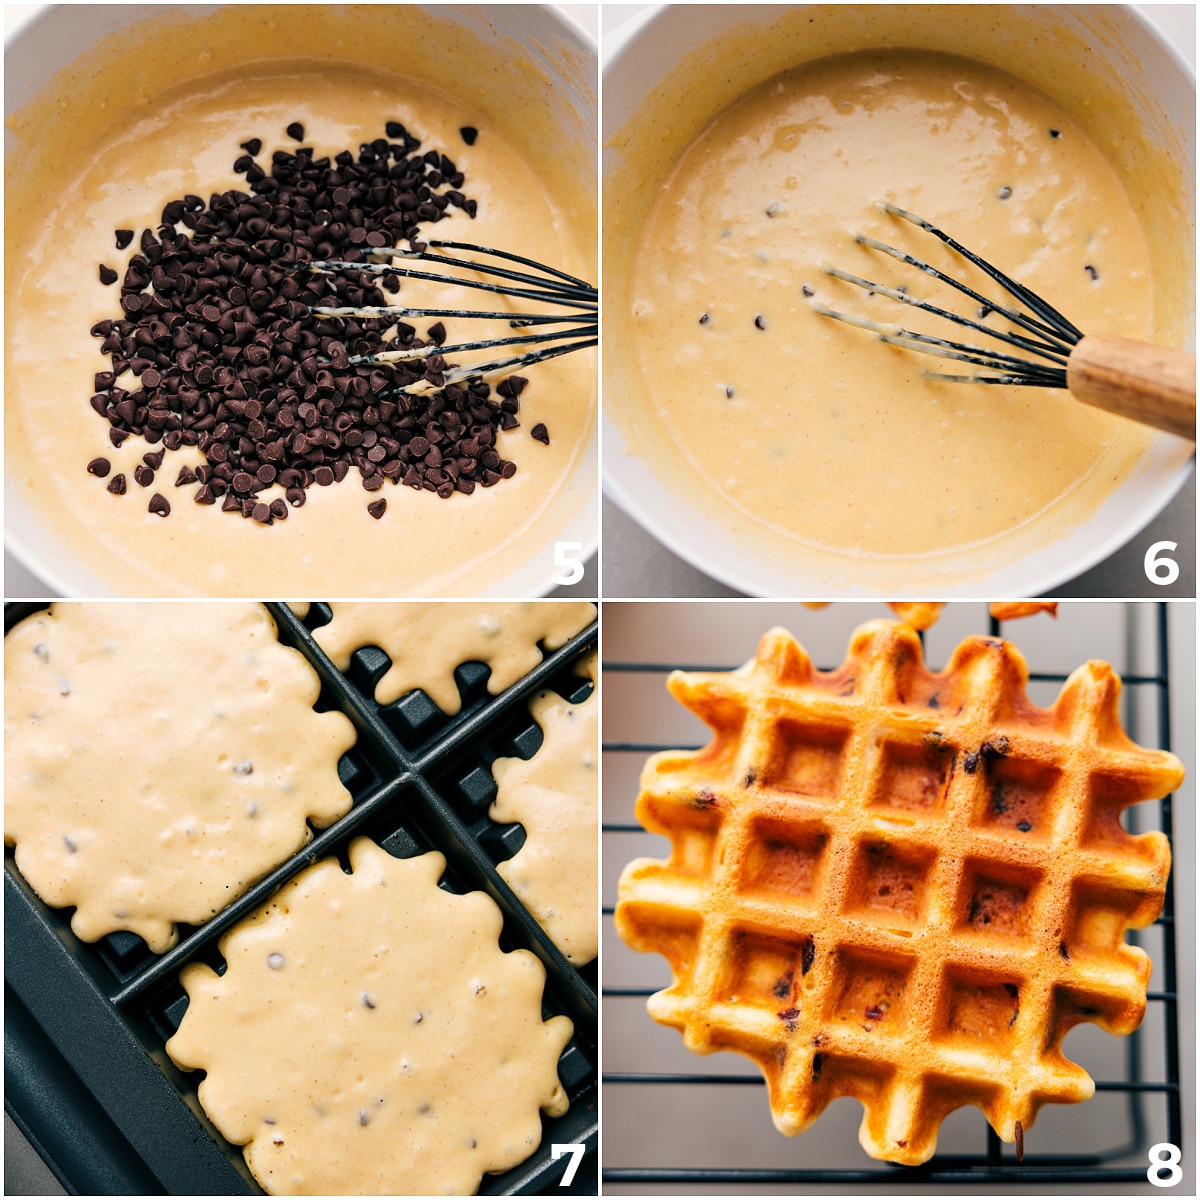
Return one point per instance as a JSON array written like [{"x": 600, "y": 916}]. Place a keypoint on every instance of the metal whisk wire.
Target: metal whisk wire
[
  {"x": 1050, "y": 335},
  {"x": 552, "y": 286}
]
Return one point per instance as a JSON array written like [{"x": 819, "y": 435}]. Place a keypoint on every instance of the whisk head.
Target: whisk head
[
  {"x": 573, "y": 327},
  {"x": 1039, "y": 328}
]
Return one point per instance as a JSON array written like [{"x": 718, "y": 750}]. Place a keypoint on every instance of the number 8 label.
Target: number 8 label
[{"x": 1169, "y": 1163}]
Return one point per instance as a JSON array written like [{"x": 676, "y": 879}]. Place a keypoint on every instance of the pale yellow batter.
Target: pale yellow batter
[
  {"x": 369, "y": 1037},
  {"x": 554, "y": 796},
  {"x": 828, "y": 434},
  {"x": 810, "y": 441},
  {"x": 159, "y": 759},
  {"x": 156, "y": 115},
  {"x": 427, "y": 641}
]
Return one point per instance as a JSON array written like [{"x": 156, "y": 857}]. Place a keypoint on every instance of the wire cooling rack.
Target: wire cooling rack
[{"x": 1142, "y": 1070}]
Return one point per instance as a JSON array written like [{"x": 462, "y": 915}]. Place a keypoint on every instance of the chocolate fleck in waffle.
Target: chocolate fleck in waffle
[{"x": 900, "y": 885}]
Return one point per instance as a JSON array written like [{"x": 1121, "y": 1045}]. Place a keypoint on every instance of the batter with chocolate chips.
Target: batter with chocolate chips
[
  {"x": 145, "y": 515},
  {"x": 808, "y": 439}
]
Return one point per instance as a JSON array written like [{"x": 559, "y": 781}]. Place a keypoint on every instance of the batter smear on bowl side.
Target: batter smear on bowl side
[
  {"x": 159, "y": 759},
  {"x": 369, "y": 1036}
]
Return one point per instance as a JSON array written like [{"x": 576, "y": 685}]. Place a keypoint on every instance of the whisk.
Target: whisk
[
  {"x": 1155, "y": 385},
  {"x": 579, "y": 322}
]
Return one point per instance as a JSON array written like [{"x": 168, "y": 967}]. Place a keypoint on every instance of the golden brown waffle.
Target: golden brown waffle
[{"x": 899, "y": 885}]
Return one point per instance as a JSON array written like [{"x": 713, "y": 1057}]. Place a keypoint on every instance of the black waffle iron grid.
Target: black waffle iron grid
[
  {"x": 1150, "y": 1082},
  {"x": 86, "y": 1076}
]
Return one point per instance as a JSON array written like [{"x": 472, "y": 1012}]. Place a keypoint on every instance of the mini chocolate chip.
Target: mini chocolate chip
[
  {"x": 99, "y": 467},
  {"x": 377, "y": 508},
  {"x": 143, "y": 475},
  {"x": 124, "y": 237},
  {"x": 153, "y": 460},
  {"x": 107, "y": 275},
  {"x": 116, "y": 485},
  {"x": 760, "y": 322},
  {"x": 1055, "y": 133},
  {"x": 186, "y": 475},
  {"x": 469, "y": 133},
  {"x": 159, "y": 506},
  {"x": 437, "y": 333},
  {"x": 261, "y": 513},
  {"x": 806, "y": 290},
  {"x": 540, "y": 434},
  {"x": 253, "y": 146},
  {"x": 296, "y": 131},
  {"x": 705, "y": 318}
]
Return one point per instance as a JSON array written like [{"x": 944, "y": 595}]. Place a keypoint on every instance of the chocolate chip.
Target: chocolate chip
[
  {"x": 224, "y": 355},
  {"x": 99, "y": 467},
  {"x": 116, "y": 485},
  {"x": 539, "y": 434},
  {"x": 296, "y": 131},
  {"x": 261, "y": 513},
  {"x": 468, "y": 134},
  {"x": 377, "y": 508},
  {"x": 124, "y": 237},
  {"x": 143, "y": 475},
  {"x": 159, "y": 505},
  {"x": 107, "y": 275}
]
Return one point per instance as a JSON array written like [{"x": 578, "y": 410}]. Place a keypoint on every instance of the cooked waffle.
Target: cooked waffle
[{"x": 900, "y": 885}]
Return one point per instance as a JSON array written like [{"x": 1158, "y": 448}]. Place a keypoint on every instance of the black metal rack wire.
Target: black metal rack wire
[{"x": 994, "y": 1166}]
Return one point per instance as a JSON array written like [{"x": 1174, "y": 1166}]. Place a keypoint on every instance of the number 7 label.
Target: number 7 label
[{"x": 576, "y": 1151}]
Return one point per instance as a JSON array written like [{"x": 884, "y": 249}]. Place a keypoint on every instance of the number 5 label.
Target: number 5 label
[
  {"x": 570, "y": 569},
  {"x": 1164, "y": 1156},
  {"x": 576, "y": 1151}
]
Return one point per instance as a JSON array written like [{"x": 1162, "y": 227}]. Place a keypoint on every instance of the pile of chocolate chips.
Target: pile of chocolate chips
[{"x": 225, "y": 356}]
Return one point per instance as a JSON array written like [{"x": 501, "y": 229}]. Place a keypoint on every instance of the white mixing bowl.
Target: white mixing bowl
[
  {"x": 644, "y": 61},
  {"x": 560, "y": 61}
]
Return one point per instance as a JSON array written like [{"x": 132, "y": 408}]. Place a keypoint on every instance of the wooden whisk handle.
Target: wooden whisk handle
[{"x": 1151, "y": 384}]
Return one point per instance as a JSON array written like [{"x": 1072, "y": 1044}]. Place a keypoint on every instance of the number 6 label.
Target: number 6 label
[
  {"x": 576, "y": 1149},
  {"x": 1162, "y": 570},
  {"x": 1164, "y": 1156}
]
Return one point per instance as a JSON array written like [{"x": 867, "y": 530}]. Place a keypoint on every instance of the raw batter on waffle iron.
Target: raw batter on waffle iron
[
  {"x": 900, "y": 885},
  {"x": 158, "y": 759},
  {"x": 426, "y": 641},
  {"x": 369, "y": 1036},
  {"x": 554, "y": 795}
]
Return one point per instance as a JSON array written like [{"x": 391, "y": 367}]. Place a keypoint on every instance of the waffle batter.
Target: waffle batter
[
  {"x": 370, "y": 1037},
  {"x": 159, "y": 759},
  {"x": 136, "y": 137},
  {"x": 427, "y": 641},
  {"x": 795, "y": 431},
  {"x": 554, "y": 796}
]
